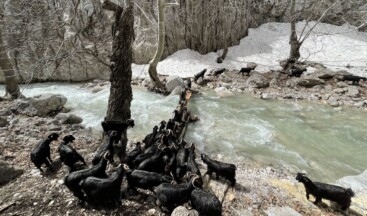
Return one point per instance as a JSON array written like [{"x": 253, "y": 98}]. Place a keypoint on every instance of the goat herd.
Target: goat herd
[{"x": 163, "y": 163}]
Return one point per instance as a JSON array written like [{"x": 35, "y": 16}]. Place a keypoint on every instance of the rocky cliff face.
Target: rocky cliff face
[{"x": 79, "y": 49}]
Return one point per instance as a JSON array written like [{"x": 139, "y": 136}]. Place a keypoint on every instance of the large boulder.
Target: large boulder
[
  {"x": 173, "y": 82},
  {"x": 68, "y": 118},
  {"x": 257, "y": 81},
  {"x": 8, "y": 172},
  {"x": 40, "y": 105}
]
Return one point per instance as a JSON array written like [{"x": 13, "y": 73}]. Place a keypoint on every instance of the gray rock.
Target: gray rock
[
  {"x": 173, "y": 82},
  {"x": 281, "y": 211},
  {"x": 68, "y": 118},
  {"x": 3, "y": 122},
  {"x": 46, "y": 103},
  {"x": 333, "y": 101},
  {"x": 257, "y": 81},
  {"x": 40, "y": 105},
  {"x": 342, "y": 84},
  {"x": 309, "y": 82},
  {"x": 353, "y": 91},
  {"x": 360, "y": 104},
  {"x": 339, "y": 90},
  {"x": 291, "y": 83},
  {"x": 8, "y": 172},
  {"x": 182, "y": 211},
  {"x": 14, "y": 121},
  {"x": 5, "y": 112},
  {"x": 323, "y": 73},
  {"x": 146, "y": 81}
]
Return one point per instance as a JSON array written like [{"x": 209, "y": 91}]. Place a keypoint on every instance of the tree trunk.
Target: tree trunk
[
  {"x": 295, "y": 44},
  {"x": 153, "y": 74},
  {"x": 120, "y": 98},
  {"x": 11, "y": 84}
]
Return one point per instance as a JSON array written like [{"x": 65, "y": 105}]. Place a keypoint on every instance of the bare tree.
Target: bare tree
[
  {"x": 120, "y": 98},
  {"x": 162, "y": 4},
  {"x": 11, "y": 83},
  {"x": 296, "y": 41}
]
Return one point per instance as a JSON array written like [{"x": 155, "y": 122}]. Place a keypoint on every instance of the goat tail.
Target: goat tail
[{"x": 350, "y": 192}]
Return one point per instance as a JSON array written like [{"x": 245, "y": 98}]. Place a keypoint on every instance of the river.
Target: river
[{"x": 303, "y": 135}]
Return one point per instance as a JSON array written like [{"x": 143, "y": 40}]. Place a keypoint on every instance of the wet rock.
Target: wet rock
[
  {"x": 173, "y": 82},
  {"x": 68, "y": 118},
  {"x": 333, "y": 101},
  {"x": 281, "y": 211},
  {"x": 8, "y": 172},
  {"x": 251, "y": 65},
  {"x": 266, "y": 96},
  {"x": 292, "y": 82},
  {"x": 223, "y": 92},
  {"x": 182, "y": 211},
  {"x": 257, "y": 81},
  {"x": 3, "y": 122}
]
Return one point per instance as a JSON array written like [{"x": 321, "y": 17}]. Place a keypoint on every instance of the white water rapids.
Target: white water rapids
[{"x": 327, "y": 143}]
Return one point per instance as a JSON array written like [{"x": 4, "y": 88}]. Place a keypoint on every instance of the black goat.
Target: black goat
[
  {"x": 145, "y": 180},
  {"x": 68, "y": 155},
  {"x": 226, "y": 170},
  {"x": 181, "y": 161},
  {"x": 153, "y": 163},
  {"x": 200, "y": 74},
  {"x": 297, "y": 72},
  {"x": 131, "y": 156},
  {"x": 246, "y": 70},
  {"x": 218, "y": 71},
  {"x": 113, "y": 137},
  {"x": 150, "y": 138},
  {"x": 169, "y": 196},
  {"x": 99, "y": 190},
  {"x": 192, "y": 166},
  {"x": 205, "y": 203},
  {"x": 72, "y": 181},
  {"x": 41, "y": 153},
  {"x": 333, "y": 193}
]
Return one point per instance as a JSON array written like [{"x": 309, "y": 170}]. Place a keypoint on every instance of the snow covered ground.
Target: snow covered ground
[{"x": 334, "y": 46}]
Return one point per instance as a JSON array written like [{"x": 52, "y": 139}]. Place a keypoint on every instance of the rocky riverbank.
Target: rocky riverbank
[{"x": 261, "y": 189}]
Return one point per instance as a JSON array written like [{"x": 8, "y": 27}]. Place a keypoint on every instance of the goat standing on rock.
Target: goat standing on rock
[
  {"x": 333, "y": 193},
  {"x": 41, "y": 154}
]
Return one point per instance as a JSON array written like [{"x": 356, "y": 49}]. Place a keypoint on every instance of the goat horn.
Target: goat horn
[
  {"x": 193, "y": 180},
  {"x": 106, "y": 154}
]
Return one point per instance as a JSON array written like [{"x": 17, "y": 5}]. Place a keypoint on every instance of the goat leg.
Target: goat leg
[{"x": 318, "y": 200}]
